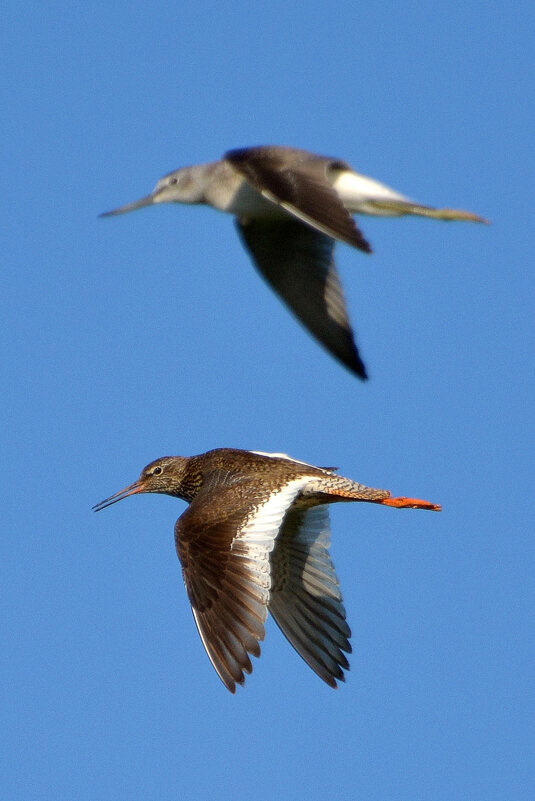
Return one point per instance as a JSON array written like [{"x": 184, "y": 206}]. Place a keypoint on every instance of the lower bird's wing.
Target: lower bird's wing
[
  {"x": 297, "y": 261},
  {"x": 223, "y": 541},
  {"x": 305, "y": 597},
  {"x": 297, "y": 181}
]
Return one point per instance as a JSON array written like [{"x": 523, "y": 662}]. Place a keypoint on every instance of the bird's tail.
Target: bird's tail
[{"x": 339, "y": 488}]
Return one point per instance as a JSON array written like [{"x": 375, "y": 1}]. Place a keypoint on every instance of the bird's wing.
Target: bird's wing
[
  {"x": 305, "y": 596},
  {"x": 223, "y": 541},
  {"x": 297, "y": 261},
  {"x": 297, "y": 181}
]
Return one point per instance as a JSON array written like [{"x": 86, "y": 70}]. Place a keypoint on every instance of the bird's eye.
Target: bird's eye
[
  {"x": 173, "y": 180},
  {"x": 157, "y": 471}
]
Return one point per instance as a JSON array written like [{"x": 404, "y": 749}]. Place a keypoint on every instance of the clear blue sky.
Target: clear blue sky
[{"x": 151, "y": 334}]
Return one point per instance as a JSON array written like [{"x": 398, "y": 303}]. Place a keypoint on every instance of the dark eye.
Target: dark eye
[
  {"x": 173, "y": 180},
  {"x": 156, "y": 471}
]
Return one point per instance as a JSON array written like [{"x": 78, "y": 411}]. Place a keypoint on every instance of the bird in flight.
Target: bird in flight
[
  {"x": 255, "y": 540},
  {"x": 291, "y": 206}
]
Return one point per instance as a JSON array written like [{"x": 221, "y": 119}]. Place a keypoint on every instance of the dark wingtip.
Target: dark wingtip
[
  {"x": 362, "y": 243},
  {"x": 359, "y": 368}
]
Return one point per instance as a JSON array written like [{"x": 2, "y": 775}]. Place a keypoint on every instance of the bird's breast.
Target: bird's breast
[{"x": 237, "y": 196}]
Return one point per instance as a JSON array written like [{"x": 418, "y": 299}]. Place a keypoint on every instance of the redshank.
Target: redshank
[
  {"x": 255, "y": 539},
  {"x": 291, "y": 206}
]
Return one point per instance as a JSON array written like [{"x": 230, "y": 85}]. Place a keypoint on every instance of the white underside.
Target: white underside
[
  {"x": 243, "y": 201},
  {"x": 359, "y": 194},
  {"x": 262, "y": 527},
  {"x": 356, "y": 191}
]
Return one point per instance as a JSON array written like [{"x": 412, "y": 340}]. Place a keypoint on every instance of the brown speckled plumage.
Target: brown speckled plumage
[{"x": 254, "y": 540}]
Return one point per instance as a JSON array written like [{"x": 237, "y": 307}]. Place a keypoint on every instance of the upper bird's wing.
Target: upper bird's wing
[
  {"x": 297, "y": 181},
  {"x": 305, "y": 597},
  {"x": 223, "y": 541},
  {"x": 297, "y": 261}
]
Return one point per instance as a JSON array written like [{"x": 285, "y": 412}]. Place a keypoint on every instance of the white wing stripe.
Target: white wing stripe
[{"x": 261, "y": 529}]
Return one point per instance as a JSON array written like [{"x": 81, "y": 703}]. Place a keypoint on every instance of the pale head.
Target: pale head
[{"x": 185, "y": 185}]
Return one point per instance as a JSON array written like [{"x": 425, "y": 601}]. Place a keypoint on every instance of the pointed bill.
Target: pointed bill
[
  {"x": 148, "y": 200},
  {"x": 133, "y": 489}
]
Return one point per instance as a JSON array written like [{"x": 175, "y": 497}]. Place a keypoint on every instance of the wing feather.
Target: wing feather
[
  {"x": 224, "y": 540},
  {"x": 298, "y": 182},
  {"x": 297, "y": 262},
  {"x": 305, "y": 598}
]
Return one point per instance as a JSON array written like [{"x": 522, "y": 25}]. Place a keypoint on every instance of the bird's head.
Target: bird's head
[
  {"x": 185, "y": 185},
  {"x": 164, "y": 475}
]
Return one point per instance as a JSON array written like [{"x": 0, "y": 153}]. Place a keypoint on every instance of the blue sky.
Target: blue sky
[{"x": 151, "y": 334}]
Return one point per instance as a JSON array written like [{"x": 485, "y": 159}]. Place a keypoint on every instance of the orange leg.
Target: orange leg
[{"x": 409, "y": 503}]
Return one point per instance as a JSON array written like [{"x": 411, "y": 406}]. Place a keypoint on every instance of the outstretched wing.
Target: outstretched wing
[
  {"x": 297, "y": 262},
  {"x": 223, "y": 541},
  {"x": 305, "y": 596},
  {"x": 297, "y": 181}
]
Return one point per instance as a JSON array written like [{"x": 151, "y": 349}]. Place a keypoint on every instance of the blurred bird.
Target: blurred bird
[{"x": 290, "y": 207}]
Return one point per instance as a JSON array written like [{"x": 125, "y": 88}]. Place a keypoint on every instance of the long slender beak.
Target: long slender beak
[
  {"x": 410, "y": 503},
  {"x": 133, "y": 489},
  {"x": 148, "y": 200}
]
